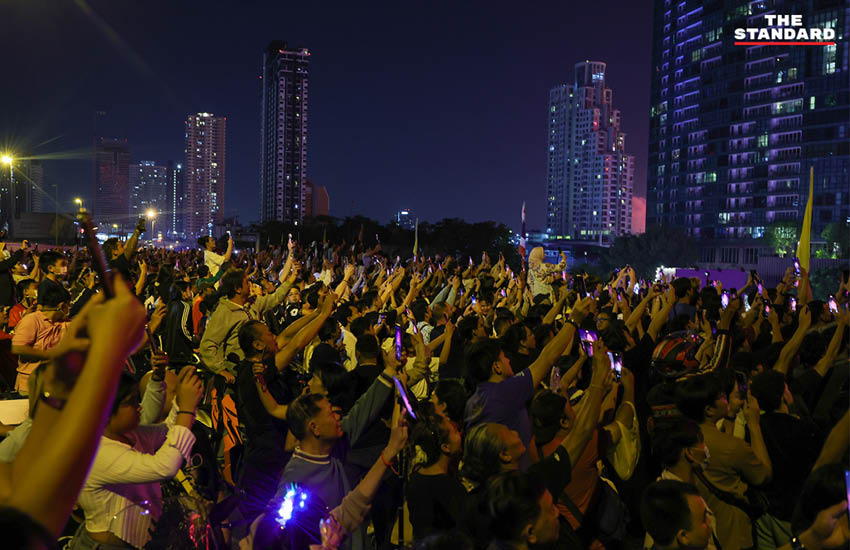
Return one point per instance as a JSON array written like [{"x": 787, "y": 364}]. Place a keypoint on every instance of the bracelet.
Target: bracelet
[
  {"x": 388, "y": 464},
  {"x": 53, "y": 402},
  {"x": 186, "y": 412}
]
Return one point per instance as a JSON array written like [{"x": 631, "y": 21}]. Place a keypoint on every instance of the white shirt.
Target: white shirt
[
  {"x": 350, "y": 342},
  {"x": 213, "y": 261},
  {"x": 122, "y": 494}
]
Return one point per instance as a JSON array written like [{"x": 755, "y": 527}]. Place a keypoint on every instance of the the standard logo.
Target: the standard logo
[{"x": 784, "y": 30}]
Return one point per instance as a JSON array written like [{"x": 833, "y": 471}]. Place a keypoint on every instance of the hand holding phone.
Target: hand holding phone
[{"x": 404, "y": 398}]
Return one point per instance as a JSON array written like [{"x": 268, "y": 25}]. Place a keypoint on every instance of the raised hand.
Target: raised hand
[{"x": 190, "y": 390}]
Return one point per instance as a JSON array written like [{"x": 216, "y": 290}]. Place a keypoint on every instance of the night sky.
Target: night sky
[{"x": 436, "y": 106}]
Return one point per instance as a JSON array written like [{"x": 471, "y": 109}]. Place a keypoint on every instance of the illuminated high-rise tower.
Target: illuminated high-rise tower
[
  {"x": 734, "y": 129},
  {"x": 204, "y": 172},
  {"x": 589, "y": 175},
  {"x": 283, "y": 133}
]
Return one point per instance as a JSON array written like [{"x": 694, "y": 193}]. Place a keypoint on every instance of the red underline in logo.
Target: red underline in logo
[{"x": 785, "y": 43}]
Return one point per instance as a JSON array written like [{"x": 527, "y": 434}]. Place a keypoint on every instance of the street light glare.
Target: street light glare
[
  {"x": 151, "y": 213},
  {"x": 6, "y": 159}
]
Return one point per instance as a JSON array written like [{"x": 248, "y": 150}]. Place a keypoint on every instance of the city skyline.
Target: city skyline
[{"x": 399, "y": 115}]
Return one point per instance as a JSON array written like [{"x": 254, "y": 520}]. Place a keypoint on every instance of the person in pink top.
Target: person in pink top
[{"x": 37, "y": 333}]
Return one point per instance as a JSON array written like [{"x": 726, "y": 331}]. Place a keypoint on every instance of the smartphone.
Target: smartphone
[
  {"x": 766, "y": 311},
  {"x": 587, "y": 337},
  {"x": 754, "y": 275},
  {"x": 724, "y": 300},
  {"x": 504, "y": 293},
  {"x": 470, "y": 261},
  {"x": 96, "y": 253},
  {"x": 761, "y": 290},
  {"x": 474, "y": 301},
  {"x": 741, "y": 380},
  {"x": 398, "y": 342},
  {"x": 797, "y": 267},
  {"x": 636, "y": 289},
  {"x": 793, "y": 303},
  {"x": 833, "y": 305},
  {"x": 616, "y": 364},
  {"x": 706, "y": 275},
  {"x": 404, "y": 399},
  {"x": 580, "y": 286},
  {"x": 381, "y": 318}
]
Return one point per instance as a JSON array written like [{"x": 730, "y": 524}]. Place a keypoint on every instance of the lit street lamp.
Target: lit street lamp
[
  {"x": 151, "y": 214},
  {"x": 7, "y": 159},
  {"x": 79, "y": 203}
]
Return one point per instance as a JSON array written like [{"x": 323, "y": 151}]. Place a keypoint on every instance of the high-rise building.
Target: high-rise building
[
  {"x": 148, "y": 189},
  {"x": 590, "y": 177},
  {"x": 734, "y": 129},
  {"x": 283, "y": 133},
  {"x": 111, "y": 181},
  {"x": 316, "y": 200},
  {"x": 176, "y": 198},
  {"x": 204, "y": 173},
  {"x": 41, "y": 201},
  {"x": 405, "y": 218}
]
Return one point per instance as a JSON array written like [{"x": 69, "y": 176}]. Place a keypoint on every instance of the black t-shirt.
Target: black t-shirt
[
  {"x": 793, "y": 445},
  {"x": 47, "y": 283},
  {"x": 122, "y": 265},
  {"x": 265, "y": 435},
  {"x": 436, "y": 503},
  {"x": 453, "y": 368}
]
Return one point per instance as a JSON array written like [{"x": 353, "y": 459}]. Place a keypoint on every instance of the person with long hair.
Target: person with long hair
[{"x": 435, "y": 497}]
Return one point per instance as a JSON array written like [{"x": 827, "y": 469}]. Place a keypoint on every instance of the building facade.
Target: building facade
[
  {"x": 590, "y": 177},
  {"x": 204, "y": 175},
  {"x": 148, "y": 189},
  {"x": 405, "y": 218},
  {"x": 734, "y": 129},
  {"x": 112, "y": 182},
  {"x": 176, "y": 199},
  {"x": 283, "y": 133}
]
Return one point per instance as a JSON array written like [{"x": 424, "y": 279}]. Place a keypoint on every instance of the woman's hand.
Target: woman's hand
[{"x": 190, "y": 390}]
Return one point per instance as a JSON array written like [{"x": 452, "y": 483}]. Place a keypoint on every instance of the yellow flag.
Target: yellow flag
[{"x": 804, "y": 245}]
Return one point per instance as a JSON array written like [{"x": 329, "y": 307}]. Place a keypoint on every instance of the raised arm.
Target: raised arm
[
  {"x": 46, "y": 477},
  {"x": 588, "y": 415},
  {"x": 305, "y": 335},
  {"x": 792, "y": 346},
  {"x": 553, "y": 350},
  {"x": 659, "y": 319},
  {"x": 133, "y": 241},
  {"x": 825, "y": 362},
  {"x": 229, "y": 252}
]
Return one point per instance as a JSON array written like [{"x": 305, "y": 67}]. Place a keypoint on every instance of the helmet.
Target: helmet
[{"x": 675, "y": 355}]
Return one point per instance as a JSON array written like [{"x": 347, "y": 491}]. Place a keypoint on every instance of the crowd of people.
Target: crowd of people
[{"x": 335, "y": 396}]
